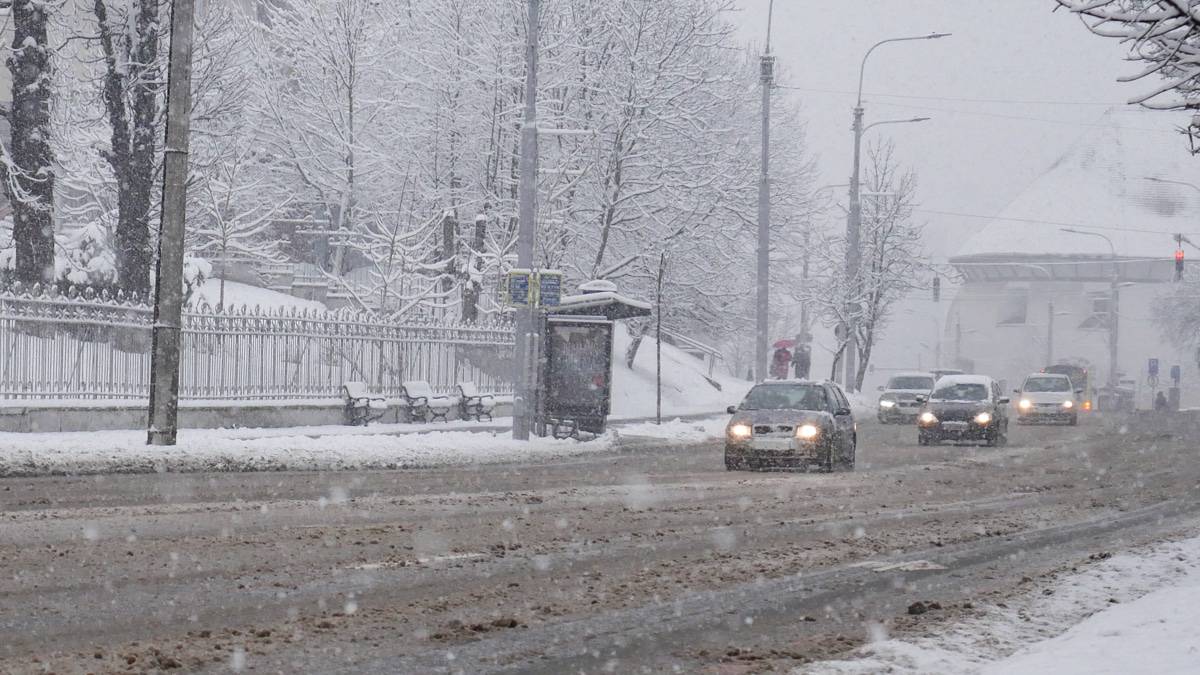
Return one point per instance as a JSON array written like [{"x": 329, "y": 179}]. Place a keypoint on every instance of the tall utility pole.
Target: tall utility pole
[
  {"x": 526, "y": 369},
  {"x": 658, "y": 312},
  {"x": 766, "y": 72},
  {"x": 168, "y": 292},
  {"x": 854, "y": 212},
  {"x": 1050, "y": 333},
  {"x": 1114, "y": 304}
]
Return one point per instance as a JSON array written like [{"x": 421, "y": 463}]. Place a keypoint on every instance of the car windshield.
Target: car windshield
[
  {"x": 961, "y": 391},
  {"x": 1039, "y": 384},
  {"x": 911, "y": 382},
  {"x": 785, "y": 397}
]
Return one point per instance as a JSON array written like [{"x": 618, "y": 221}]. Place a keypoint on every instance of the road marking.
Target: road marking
[
  {"x": 910, "y": 566},
  {"x": 388, "y": 564}
]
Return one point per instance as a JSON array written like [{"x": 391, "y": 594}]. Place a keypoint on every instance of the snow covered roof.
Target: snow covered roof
[
  {"x": 609, "y": 303},
  {"x": 1105, "y": 183}
]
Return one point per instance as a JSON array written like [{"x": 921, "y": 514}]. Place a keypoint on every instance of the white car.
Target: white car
[{"x": 1048, "y": 397}]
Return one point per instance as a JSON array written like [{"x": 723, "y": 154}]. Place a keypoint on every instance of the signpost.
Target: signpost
[
  {"x": 531, "y": 290},
  {"x": 549, "y": 288}
]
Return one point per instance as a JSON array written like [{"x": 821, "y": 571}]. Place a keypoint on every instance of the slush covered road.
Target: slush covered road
[{"x": 655, "y": 559}]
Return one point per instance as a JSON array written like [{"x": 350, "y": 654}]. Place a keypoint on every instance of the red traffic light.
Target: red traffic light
[{"x": 1179, "y": 255}]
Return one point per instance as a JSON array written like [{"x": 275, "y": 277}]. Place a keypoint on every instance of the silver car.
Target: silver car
[{"x": 791, "y": 425}]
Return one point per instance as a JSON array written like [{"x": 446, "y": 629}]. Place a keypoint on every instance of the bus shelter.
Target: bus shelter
[{"x": 576, "y": 366}]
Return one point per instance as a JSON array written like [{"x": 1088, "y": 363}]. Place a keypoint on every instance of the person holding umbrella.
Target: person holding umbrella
[{"x": 782, "y": 359}]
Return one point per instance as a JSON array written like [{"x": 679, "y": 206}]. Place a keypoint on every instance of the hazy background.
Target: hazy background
[{"x": 1014, "y": 86}]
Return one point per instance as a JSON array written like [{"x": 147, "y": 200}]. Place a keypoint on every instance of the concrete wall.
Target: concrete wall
[{"x": 119, "y": 416}]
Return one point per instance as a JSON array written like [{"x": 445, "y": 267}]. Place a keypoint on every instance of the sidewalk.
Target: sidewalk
[
  {"x": 324, "y": 448},
  {"x": 1131, "y": 613}
]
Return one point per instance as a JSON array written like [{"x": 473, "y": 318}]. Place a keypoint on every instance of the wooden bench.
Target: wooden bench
[
  {"x": 472, "y": 404},
  {"x": 361, "y": 407},
  {"x": 423, "y": 403}
]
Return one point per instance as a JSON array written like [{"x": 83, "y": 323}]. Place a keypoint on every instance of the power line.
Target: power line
[
  {"x": 1027, "y": 118},
  {"x": 1057, "y": 223}
]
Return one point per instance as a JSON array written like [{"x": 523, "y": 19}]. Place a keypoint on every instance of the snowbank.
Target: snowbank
[
  {"x": 687, "y": 389},
  {"x": 1132, "y": 613},
  {"x": 314, "y": 448},
  {"x": 238, "y": 294}
]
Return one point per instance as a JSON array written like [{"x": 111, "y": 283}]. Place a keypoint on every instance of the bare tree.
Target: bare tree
[
  {"x": 893, "y": 263},
  {"x": 129, "y": 33},
  {"x": 1164, "y": 35},
  {"x": 27, "y": 170},
  {"x": 236, "y": 220}
]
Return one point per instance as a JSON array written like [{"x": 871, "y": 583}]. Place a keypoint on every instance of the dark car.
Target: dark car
[
  {"x": 964, "y": 408},
  {"x": 791, "y": 424}
]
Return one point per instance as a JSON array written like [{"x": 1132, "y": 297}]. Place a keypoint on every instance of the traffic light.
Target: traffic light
[
  {"x": 1178, "y": 264},
  {"x": 937, "y": 289}
]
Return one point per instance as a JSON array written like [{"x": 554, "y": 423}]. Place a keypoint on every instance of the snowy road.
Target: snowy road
[{"x": 655, "y": 558}]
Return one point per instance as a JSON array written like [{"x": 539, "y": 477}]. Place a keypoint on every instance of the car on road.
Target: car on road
[
  {"x": 1048, "y": 397},
  {"x": 898, "y": 402},
  {"x": 792, "y": 424},
  {"x": 939, "y": 373},
  {"x": 964, "y": 408}
]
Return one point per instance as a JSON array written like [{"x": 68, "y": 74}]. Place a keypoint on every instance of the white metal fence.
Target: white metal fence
[{"x": 84, "y": 345}]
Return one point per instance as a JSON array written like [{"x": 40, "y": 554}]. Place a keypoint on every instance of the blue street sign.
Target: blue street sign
[
  {"x": 1152, "y": 367},
  {"x": 549, "y": 288},
  {"x": 518, "y": 288}
]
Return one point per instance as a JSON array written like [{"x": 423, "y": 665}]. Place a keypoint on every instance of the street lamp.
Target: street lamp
[
  {"x": 854, "y": 219},
  {"x": 766, "y": 79},
  {"x": 1113, "y": 305}
]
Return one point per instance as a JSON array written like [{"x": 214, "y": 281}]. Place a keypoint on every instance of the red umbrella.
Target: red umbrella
[{"x": 786, "y": 343}]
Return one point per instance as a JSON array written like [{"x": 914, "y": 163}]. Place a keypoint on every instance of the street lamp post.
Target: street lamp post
[
  {"x": 854, "y": 218},
  {"x": 766, "y": 79},
  {"x": 524, "y": 380},
  {"x": 1113, "y": 305}
]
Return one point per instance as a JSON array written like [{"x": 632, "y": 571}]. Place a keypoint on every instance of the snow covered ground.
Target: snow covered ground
[
  {"x": 687, "y": 388},
  {"x": 1132, "y": 613},
  {"x": 312, "y": 448},
  {"x": 238, "y": 294}
]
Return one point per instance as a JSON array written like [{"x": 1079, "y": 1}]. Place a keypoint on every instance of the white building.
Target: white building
[{"x": 1034, "y": 292}]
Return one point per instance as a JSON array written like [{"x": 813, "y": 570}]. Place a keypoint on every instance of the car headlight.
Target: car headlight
[
  {"x": 887, "y": 404},
  {"x": 740, "y": 431},
  {"x": 1068, "y": 404},
  {"x": 807, "y": 432},
  {"x": 1025, "y": 404},
  {"x": 983, "y": 418},
  {"x": 928, "y": 418}
]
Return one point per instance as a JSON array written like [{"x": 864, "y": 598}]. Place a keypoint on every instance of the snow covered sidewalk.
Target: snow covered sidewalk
[
  {"x": 310, "y": 448},
  {"x": 1130, "y": 614}
]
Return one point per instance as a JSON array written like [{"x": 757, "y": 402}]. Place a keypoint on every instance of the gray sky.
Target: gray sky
[{"x": 1042, "y": 73}]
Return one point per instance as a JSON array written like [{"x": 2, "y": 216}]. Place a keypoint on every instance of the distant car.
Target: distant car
[
  {"x": 1048, "y": 397},
  {"x": 791, "y": 424},
  {"x": 962, "y": 408},
  {"x": 939, "y": 373},
  {"x": 898, "y": 402}
]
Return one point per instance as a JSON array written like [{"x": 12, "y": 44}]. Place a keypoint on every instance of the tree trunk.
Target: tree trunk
[
  {"x": 473, "y": 290},
  {"x": 131, "y": 100},
  {"x": 33, "y": 200}
]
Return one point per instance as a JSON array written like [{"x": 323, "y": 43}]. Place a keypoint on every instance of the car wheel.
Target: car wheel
[
  {"x": 1074, "y": 421},
  {"x": 731, "y": 464},
  {"x": 922, "y": 438}
]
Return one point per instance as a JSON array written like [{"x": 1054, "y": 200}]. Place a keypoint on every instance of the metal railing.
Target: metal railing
[{"x": 81, "y": 344}]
